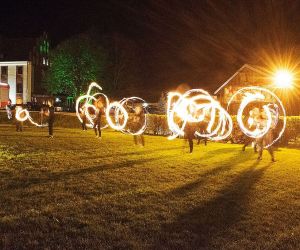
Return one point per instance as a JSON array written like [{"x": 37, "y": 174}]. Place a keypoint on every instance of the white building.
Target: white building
[{"x": 17, "y": 76}]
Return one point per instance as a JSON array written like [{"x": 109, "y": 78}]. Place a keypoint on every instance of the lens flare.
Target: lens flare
[
  {"x": 86, "y": 102},
  {"x": 198, "y": 107},
  {"x": 283, "y": 79},
  {"x": 259, "y": 122},
  {"x": 23, "y": 114}
]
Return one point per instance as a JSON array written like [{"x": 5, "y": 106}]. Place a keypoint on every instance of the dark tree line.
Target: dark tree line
[{"x": 112, "y": 61}]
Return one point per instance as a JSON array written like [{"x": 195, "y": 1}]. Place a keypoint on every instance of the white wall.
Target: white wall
[{"x": 12, "y": 80}]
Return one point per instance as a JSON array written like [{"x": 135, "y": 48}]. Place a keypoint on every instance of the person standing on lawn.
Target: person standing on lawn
[
  {"x": 266, "y": 139},
  {"x": 9, "y": 109},
  {"x": 97, "y": 120},
  {"x": 50, "y": 115},
  {"x": 189, "y": 134},
  {"x": 83, "y": 117},
  {"x": 253, "y": 121},
  {"x": 138, "y": 120},
  {"x": 19, "y": 124}
]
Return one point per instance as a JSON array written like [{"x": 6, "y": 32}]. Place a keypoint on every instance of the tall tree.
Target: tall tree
[
  {"x": 74, "y": 64},
  {"x": 123, "y": 67}
]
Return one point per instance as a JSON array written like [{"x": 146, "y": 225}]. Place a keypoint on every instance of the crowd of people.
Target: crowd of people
[
  {"x": 257, "y": 120},
  {"x": 136, "y": 120}
]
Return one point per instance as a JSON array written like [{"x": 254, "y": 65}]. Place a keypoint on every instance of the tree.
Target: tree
[
  {"x": 75, "y": 63},
  {"x": 123, "y": 66},
  {"x": 162, "y": 103}
]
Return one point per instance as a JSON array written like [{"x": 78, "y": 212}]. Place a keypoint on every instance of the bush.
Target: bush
[{"x": 157, "y": 125}]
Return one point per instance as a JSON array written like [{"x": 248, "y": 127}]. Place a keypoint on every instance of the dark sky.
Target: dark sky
[{"x": 198, "y": 42}]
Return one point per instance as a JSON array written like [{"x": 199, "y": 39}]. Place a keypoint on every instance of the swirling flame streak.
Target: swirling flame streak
[
  {"x": 88, "y": 100},
  {"x": 120, "y": 113},
  {"x": 256, "y": 94},
  {"x": 26, "y": 116},
  {"x": 193, "y": 107}
]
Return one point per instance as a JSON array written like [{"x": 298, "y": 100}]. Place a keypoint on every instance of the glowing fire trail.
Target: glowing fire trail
[
  {"x": 195, "y": 106},
  {"x": 121, "y": 115},
  {"x": 87, "y": 101},
  {"x": 23, "y": 114},
  {"x": 271, "y": 111}
]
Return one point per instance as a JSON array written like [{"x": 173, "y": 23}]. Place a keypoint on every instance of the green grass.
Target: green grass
[{"x": 76, "y": 191}]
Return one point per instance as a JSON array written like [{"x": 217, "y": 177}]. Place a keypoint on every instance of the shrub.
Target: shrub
[{"x": 157, "y": 125}]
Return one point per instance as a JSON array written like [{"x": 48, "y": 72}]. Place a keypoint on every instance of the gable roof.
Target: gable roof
[{"x": 253, "y": 68}]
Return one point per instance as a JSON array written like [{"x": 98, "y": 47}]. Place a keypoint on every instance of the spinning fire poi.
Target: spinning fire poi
[
  {"x": 128, "y": 115},
  {"x": 263, "y": 117},
  {"x": 23, "y": 114},
  {"x": 88, "y": 104},
  {"x": 196, "y": 106},
  {"x": 121, "y": 116}
]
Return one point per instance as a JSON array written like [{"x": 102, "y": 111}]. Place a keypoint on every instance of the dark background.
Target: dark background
[{"x": 201, "y": 43}]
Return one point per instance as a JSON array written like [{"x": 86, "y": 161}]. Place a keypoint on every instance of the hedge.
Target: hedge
[{"x": 157, "y": 125}]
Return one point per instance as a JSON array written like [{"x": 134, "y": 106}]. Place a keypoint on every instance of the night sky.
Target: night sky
[{"x": 197, "y": 42}]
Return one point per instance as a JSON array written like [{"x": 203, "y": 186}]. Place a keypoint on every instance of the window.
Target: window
[
  {"x": 4, "y": 73},
  {"x": 4, "y": 70},
  {"x": 19, "y": 70},
  {"x": 19, "y": 79},
  {"x": 20, "y": 88}
]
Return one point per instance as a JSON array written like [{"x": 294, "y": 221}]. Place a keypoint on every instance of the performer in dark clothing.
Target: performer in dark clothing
[
  {"x": 262, "y": 142},
  {"x": 249, "y": 141},
  {"x": 97, "y": 123},
  {"x": 267, "y": 139},
  {"x": 9, "y": 109},
  {"x": 50, "y": 120},
  {"x": 202, "y": 129},
  {"x": 253, "y": 121},
  {"x": 138, "y": 119},
  {"x": 83, "y": 117},
  {"x": 19, "y": 124},
  {"x": 189, "y": 133}
]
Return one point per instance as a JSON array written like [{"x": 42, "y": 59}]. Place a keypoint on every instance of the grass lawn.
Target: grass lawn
[{"x": 76, "y": 191}]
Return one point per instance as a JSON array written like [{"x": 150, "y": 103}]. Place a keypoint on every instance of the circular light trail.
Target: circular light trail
[{"x": 271, "y": 111}]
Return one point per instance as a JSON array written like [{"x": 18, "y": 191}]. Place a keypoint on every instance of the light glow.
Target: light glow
[
  {"x": 137, "y": 108},
  {"x": 23, "y": 114},
  {"x": 87, "y": 101},
  {"x": 283, "y": 79},
  {"x": 258, "y": 126},
  {"x": 197, "y": 106},
  {"x": 122, "y": 111}
]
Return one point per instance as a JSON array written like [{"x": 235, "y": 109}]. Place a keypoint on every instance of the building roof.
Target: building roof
[
  {"x": 253, "y": 68},
  {"x": 6, "y": 63}
]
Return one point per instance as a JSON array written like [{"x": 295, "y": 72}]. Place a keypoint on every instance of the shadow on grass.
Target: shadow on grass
[
  {"x": 144, "y": 152},
  {"x": 25, "y": 182},
  {"x": 226, "y": 164},
  {"x": 200, "y": 226}
]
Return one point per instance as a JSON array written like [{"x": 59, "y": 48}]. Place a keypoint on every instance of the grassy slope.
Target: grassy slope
[{"x": 77, "y": 191}]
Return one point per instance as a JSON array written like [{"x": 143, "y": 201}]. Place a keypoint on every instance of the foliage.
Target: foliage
[
  {"x": 162, "y": 103},
  {"x": 157, "y": 125},
  {"x": 123, "y": 71},
  {"x": 74, "y": 64}
]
